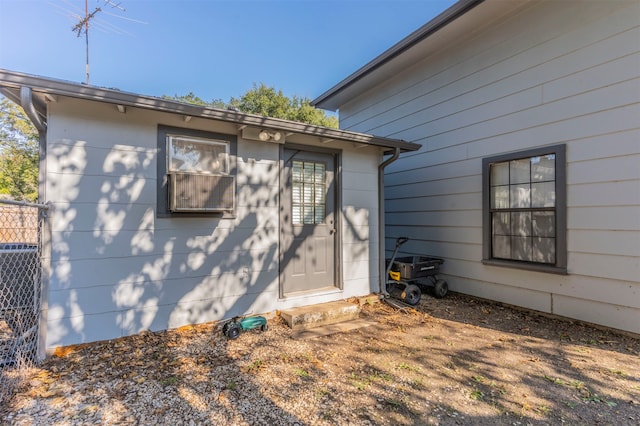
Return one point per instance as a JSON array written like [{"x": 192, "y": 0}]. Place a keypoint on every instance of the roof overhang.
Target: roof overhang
[
  {"x": 46, "y": 89},
  {"x": 458, "y": 21}
]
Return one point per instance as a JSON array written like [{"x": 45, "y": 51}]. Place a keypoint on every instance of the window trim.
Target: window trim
[
  {"x": 560, "y": 266},
  {"x": 162, "y": 160}
]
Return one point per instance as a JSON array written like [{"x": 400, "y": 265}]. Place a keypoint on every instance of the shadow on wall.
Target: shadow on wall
[{"x": 118, "y": 270}]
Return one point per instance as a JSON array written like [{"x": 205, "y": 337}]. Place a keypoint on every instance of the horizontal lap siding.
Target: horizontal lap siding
[
  {"x": 550, "y": 73},
  {"x": 359, "y": 221},
  {"x": 116, "y": 268}
]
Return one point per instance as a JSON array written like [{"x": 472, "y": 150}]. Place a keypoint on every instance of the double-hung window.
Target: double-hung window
[{"x": 524, "y": 209}]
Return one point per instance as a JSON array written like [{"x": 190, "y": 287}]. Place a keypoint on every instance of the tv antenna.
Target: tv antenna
[{"x": 83, "y": 26}]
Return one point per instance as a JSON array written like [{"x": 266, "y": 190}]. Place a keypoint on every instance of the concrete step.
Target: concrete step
[
  {"x": 322, "y": 314},
  {"x": 325, "y": 330}
]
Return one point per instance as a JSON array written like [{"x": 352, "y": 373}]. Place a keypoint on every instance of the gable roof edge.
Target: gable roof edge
[{"x": 458, "y": 9}]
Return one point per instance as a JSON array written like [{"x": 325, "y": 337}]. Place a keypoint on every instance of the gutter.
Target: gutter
[
  {"x": 381, "y": 230},
  {"x": 26, "y": 102}
]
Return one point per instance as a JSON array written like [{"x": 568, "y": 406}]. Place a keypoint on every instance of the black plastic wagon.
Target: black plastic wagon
[{"x": 407, "y": 276}]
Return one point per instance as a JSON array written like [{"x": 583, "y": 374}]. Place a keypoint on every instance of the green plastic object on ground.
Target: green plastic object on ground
[{"x": 235, "y": 326}]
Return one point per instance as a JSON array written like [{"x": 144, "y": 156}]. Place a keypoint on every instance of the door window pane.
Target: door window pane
[
  {"x": 319, "y": 173},
  {"x": 308, "y": 194},
  {"x": 319, "y": 212},
  {"x": 296, "y": 171},
  {"x": 308, "y": 172},
  {"x": 309, "y": 218},
  {"x": 296, "y": 193},
  {"x": 296, "y": 214},
  {"x": 320, "y": 194}
]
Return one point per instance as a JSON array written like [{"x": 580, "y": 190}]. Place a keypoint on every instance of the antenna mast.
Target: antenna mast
[
  {"x": 86, "y": 35},
  {"x": 83, "y": 26}
]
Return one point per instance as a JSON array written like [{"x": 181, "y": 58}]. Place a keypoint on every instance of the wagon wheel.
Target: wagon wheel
[
  {"x": 411, "y": 294},
  {"x": 264, "y": 327},
  {"x": 440, "y": 289},
  {"x": 395, "y": 290},
  {"x": 225, "y": 327}
]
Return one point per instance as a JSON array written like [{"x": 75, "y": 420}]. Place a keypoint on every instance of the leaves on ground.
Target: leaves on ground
[{"x": 457, "y": 360}]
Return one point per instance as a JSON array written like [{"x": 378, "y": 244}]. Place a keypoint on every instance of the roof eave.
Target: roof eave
[{"x": 14, "y": 80}]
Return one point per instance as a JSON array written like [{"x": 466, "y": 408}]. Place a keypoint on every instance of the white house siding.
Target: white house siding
[
  {"x": 360, "y": 221},
  {"x": 548, "y": 73},
  {"x": 117, "y": 269}
]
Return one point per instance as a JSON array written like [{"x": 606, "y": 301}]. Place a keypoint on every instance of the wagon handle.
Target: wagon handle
[{"x": 401, "y": 240}]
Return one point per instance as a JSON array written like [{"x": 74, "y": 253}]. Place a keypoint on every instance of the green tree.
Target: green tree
[
  {"x": 191, "y": 98},
  {"x": 268, "y": 102},
  {"x": 302, "y": 110},
  {"x": 263, "y": 100},
  {"x": 19, "y": 144}
]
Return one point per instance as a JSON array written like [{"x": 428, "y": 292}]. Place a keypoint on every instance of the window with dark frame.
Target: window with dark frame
[
  {"x": 524, "y": 209},
  {"x": 196, "y": 157}
]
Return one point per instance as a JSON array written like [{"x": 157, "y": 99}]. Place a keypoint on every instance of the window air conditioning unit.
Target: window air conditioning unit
[{"x": 191, "y": 192}]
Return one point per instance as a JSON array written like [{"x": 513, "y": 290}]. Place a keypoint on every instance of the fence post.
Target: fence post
[{"x": 45, "y": 220}]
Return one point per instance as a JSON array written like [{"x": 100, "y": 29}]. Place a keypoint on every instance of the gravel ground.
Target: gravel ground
[{"x": 457, "y": 360}]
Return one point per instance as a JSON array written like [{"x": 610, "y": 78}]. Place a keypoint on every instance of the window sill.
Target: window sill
[{"x": 526, "y": 266}]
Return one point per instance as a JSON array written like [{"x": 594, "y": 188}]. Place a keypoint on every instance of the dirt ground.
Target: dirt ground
[{"x": 452, "y": 361}]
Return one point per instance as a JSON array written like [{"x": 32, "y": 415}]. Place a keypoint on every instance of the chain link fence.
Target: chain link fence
[{"x": 21, "y": 226}]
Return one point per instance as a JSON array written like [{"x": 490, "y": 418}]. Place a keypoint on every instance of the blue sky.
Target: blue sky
[{"x": 214, "y": 48}]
